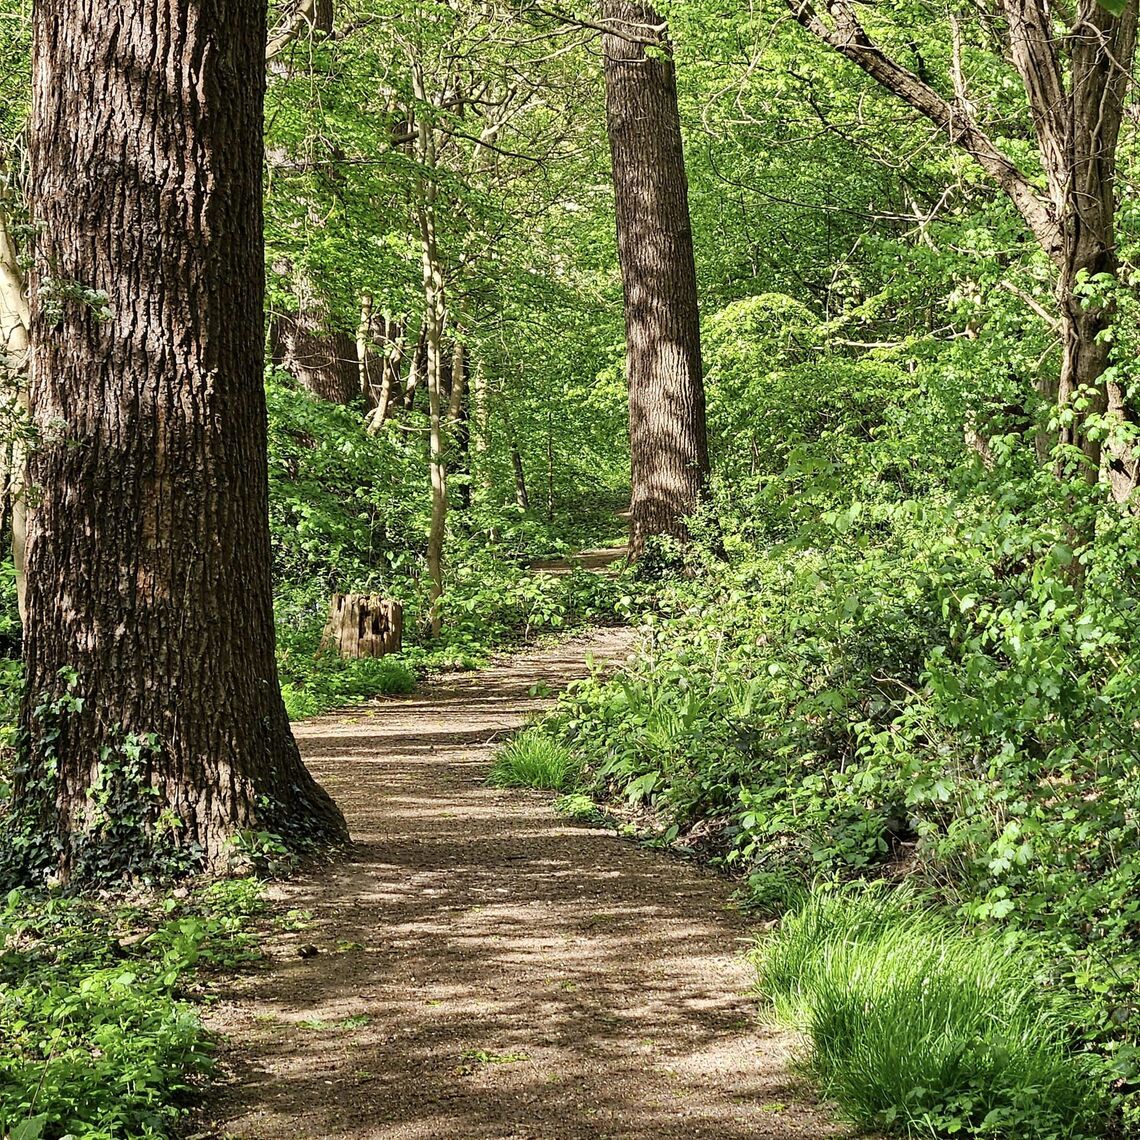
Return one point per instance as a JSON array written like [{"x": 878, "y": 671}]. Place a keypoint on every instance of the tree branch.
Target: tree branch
[{"x": 848, "y": 37}]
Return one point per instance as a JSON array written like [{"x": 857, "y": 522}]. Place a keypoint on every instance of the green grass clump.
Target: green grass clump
[
  {"x": 323, "y": 682},
  {"x": 919, "y": 1028},
  {"x": 535, "y": 760}
]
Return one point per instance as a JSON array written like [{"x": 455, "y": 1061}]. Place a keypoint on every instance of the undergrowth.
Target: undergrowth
[
  {"x": 532, "y": 759},
  {"x": 883, "y": 659},
  {"x": 99, "y": 1035}
]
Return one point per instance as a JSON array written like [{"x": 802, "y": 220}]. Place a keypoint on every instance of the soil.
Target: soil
[{"x": 478, "y": 968}]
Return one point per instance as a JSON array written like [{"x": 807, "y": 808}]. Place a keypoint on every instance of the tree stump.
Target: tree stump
[{"x": 364, "y": 625}]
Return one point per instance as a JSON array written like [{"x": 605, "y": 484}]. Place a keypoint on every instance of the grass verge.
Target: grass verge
[{"x": 918, "y": 1028}]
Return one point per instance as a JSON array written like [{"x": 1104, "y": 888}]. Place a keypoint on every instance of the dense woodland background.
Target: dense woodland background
[{"x": 899, "y": 637}]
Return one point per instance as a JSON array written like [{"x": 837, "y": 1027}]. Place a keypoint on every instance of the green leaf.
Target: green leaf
[{"x": 30, "y": 1129}]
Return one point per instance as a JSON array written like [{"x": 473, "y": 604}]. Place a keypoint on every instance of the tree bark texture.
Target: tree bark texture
[
  {"x": 364, "y": 625},
  {"x": 321, "y": 360},
  {"x": 149, "y": 593},
  {"x": 668, "y": 443}
]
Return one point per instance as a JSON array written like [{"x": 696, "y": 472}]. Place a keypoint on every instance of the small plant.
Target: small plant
[
  {"x": 96, "y": 1039},
  {"x": 917, "y": 1027},
  {"x": 535, "y": 760},
  {"x": 580, "y": 808}
]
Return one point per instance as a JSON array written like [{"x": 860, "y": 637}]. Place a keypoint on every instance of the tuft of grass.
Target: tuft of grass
[
  {"x": 920, "y": 1028},
  {"x": 535, "y": 760},
  {"x": 325, "y": 682}
]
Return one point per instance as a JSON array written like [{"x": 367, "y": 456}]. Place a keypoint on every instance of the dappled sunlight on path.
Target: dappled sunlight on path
[{"x": 483, "y": 970}]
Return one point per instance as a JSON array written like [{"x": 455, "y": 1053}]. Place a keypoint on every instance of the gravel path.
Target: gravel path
[{"x": 483, "y": 970}]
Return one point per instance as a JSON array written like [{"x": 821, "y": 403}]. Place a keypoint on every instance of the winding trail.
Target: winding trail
[{"x": 482, "y": 969}]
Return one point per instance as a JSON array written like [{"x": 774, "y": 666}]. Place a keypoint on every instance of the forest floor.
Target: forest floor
[{"x": 477, "y": 968}]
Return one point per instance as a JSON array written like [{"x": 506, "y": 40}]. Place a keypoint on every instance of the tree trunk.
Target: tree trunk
[
  {"x": 1077, "y": 107},
  {"x": 459, "y": 422},
  {"x": 667, "y": 433},
  {"x": 364, "y": 625},
  {"x": 322, "y": 361},
  {"x": 416, "y": 368},
  {"x": 435, "y": 318},
  {"x": 153, "y": 722},
  {"x": 480, "y": 419},
  {"x": 549, "y": 467},
  {"x": 522, "y": 499},
  {"x": 1083, "y": 183},
  {"x": 15, "y": 320},
  {"x": 364, "y": 353}
]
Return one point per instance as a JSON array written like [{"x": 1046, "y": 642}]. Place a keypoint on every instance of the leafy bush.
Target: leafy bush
[
  {"x": 533, "y": 759},
  {"x": 97, "y": 1038},
  {"x": 918, "y": 1027}
]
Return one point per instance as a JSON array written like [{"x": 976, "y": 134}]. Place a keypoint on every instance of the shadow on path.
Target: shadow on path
[{"x": 485, "y": 971}]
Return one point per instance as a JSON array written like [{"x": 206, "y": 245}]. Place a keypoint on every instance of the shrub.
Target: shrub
[{"x": 97, "y": 1039}]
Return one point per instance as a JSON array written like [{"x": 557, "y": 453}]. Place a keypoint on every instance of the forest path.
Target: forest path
[{"x": 482, "y": 969}]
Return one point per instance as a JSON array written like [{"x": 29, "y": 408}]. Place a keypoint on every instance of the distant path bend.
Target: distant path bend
[{"x": 483, "y": 970}]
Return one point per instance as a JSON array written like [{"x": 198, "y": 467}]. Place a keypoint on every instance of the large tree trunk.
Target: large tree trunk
[
  {"x": 321, "y": 360},
  {"x": 667, "y": 433},
  {"x": 154, "y": 727}
]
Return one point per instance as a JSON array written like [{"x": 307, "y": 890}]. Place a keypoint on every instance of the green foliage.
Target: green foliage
[
  {"x": 534, "y": 759},
  {"x": 340, "y": 513},
  {"x": 910, "y": 663},
  {"x": 97, "y": 1038},
  {"x": 918, "y": 1027}
]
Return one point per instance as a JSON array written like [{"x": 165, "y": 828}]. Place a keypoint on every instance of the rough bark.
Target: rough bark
[
  {"x": 364, "y": 625},
  {"x": 321, "y": 360},
  {"x": 668, "y": 446},
  {"x": 149, "y": 592}
]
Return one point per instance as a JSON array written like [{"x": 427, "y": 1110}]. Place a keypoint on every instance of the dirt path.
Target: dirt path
[{"x": 485, "y": 971}]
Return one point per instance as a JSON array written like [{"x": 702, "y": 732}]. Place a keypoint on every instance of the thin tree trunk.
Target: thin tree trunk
[
  {"x": 153, "y": 722},
  {"x": 481, "y": 419},
  {"x": 364, "y": 353},
  {"x": 459, "y": 423},
  {"x": 522, "y": 499},
  {"x": 416, "y": 368},
  {"x": 667, "y": 432},
  {"x": 435, "y": 316},
  {"x": 549, "y": 467}
]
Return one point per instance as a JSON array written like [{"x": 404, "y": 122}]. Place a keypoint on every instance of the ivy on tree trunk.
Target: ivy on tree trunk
[{"x": 153, "y": 730}]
